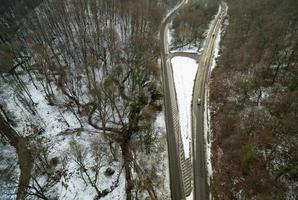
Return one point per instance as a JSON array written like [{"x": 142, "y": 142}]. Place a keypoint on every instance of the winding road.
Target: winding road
[
  {"x": 171, "y": 112},
  {"x": 201, "y": 187},
  {"x": 179, "y": 186}
]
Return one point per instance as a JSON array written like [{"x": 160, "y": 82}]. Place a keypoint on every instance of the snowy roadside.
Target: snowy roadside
[
  {"x": 207, "y": 128},
  {"x": 207, "y": 118},
  {"x": 207, "y": 32}
]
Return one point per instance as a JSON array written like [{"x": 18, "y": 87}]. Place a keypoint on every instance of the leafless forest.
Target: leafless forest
[{"x": 81, "y": 98}]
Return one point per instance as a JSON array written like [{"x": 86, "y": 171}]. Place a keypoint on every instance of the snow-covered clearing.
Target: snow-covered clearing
[{"x": 184, "y": 72}]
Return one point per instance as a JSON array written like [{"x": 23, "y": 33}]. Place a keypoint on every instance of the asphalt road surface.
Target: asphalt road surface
[
  {"x": 200, "y": 185},
  {"x": 171, "y": 114},
  {"x": 201, "y": 188}
]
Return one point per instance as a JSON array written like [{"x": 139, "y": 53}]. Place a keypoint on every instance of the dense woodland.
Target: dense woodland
[
  {"x": 95, "y": 64},
  {"x": 254, "y": 99},
  {"x": 12, "y": 12}
]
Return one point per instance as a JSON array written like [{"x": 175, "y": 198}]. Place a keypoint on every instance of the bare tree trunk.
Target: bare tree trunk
[
  {"x": 24, "y": 155},
  {"x": 125, "y": 147}
]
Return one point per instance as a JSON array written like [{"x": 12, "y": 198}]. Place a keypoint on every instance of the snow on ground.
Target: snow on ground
[
  {"x": 198, "y": 48},
  {"x": 207, "y": 119},
  {"x": 59, "y": 126},
  {"x": 73, "y": 187},
  {"x": 188, "y": 48},
  {"x": 155, "y": 164},
  {"x": 160, "y": 127},
  {"x": 190, "y": 197},
  {"x": 207, "y": 32},
  {"x": 51, "y": 118},
  {"x": 8, "y": 165},
  {"x": 160, "y": 121},
  {"x": 216, "y": 49},
  {"x": 184, "y": 72},
  {"x": 169, "y": 34},
  {"x": 172, "y": 11}
]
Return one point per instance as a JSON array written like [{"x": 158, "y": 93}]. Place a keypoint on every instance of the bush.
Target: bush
[
  {"x": 109, "y": 171},
  {"x": 247, "y": 160}
]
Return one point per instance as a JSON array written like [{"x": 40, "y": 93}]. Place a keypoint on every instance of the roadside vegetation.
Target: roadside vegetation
[
  {"x": 254, "y": 101},
  {"x": 190, "y": 24}
]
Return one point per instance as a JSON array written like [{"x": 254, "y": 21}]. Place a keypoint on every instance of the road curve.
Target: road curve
[
  {"x": 176, "y": 182},
  {"x": 201, "y": 187}
]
